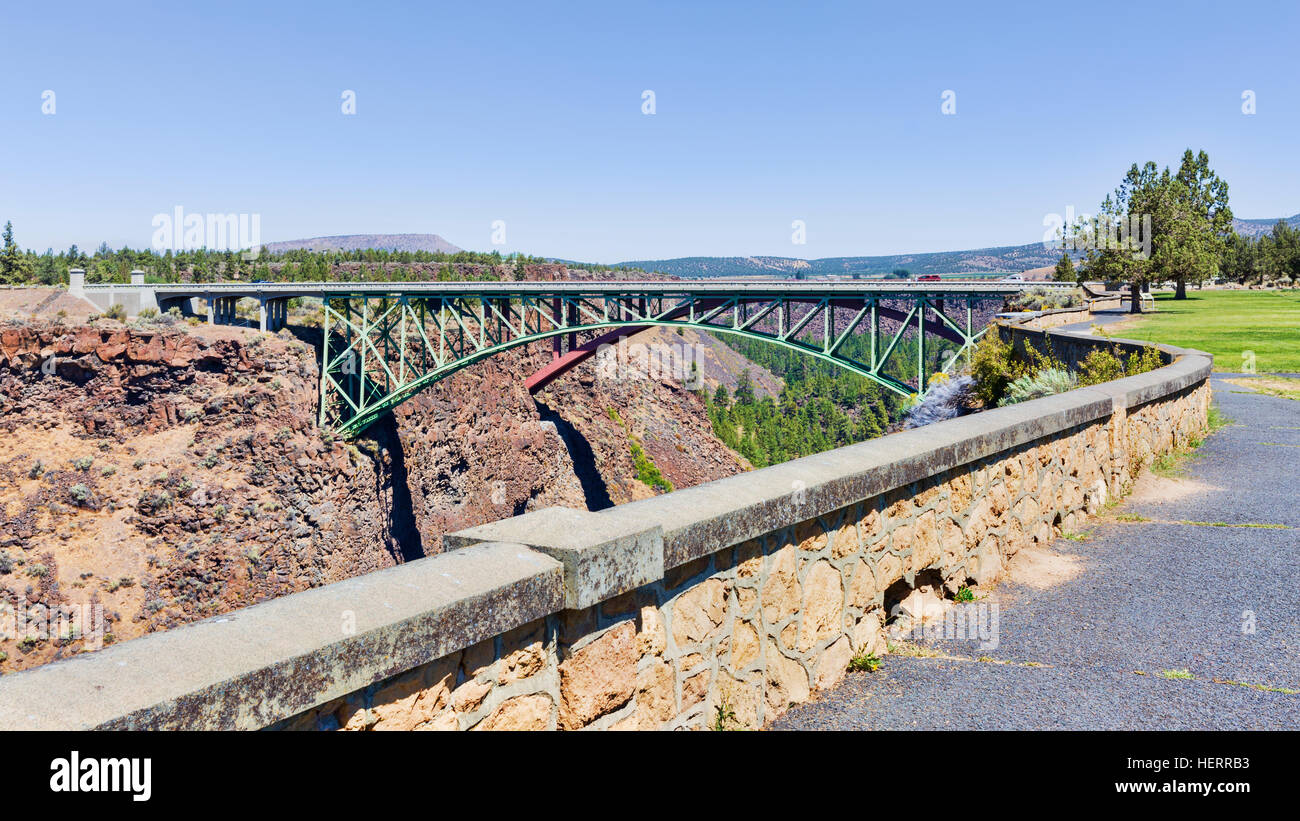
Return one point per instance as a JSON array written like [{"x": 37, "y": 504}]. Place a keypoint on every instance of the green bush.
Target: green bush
[
  {"x": 146, "y": 314},
  {"x": 647, "y": 471},
  {"x": 115, "y": 312},
  {"x": 994, "y": 367},
  {"x": 1103, "y": 365},
  {"x": 1148, "y": 360},
  {"x": 1040, "y": 299},
  {"x": 1100, "y": 366},
  {"x": 1045, "y": 382}
]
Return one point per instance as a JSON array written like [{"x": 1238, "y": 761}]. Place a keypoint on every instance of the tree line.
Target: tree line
[{"x": 105, "y": 264}]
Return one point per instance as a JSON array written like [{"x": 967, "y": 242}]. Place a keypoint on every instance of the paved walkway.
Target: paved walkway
[{"x": 1146, "y": 597}]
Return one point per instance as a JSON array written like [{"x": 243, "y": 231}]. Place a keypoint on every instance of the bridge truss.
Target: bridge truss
[{"x": 379, "y": 349}]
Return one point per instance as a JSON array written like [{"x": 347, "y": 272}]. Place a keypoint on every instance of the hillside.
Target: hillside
[
  {"x": 1255, "y": 228},
  {"x": 1001, "y": 259},
  {"x": 360, "y": 242},
  {"x": 977, "y": 261}
]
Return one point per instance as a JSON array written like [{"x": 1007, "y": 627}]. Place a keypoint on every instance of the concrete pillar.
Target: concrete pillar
[
  {"x": 77, "y": 281},
  {"x": 263, "y": 313},
  {"x": 212, "y": 309},
  {"x": 145, "y": 296}
]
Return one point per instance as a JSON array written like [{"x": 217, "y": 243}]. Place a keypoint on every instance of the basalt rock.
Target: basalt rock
[{"x": 170, "y": 474}]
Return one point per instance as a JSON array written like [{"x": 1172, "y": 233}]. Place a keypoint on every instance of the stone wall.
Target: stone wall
[
  {"x": 759, "y": 626},
  {"x": 723, "y": 603}
]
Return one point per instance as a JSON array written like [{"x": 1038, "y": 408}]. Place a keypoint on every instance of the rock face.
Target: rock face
[{"x": 170, "y": 474}]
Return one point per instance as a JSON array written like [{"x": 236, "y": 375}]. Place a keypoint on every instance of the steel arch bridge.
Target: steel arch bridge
[{"x": 385, "y": 342}]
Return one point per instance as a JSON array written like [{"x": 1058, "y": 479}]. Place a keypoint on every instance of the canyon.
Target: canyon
[{"x": 168, "y": 473}]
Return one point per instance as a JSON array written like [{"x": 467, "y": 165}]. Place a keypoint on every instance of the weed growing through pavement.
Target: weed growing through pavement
[
  {"x": 1263, "y": 687},
  {"x": 865, "y": 663}
]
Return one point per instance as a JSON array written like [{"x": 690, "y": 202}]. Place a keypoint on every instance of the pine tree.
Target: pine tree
[
  {"x": 1065, "y": 270},
  {"x": 15, "y": 268}
]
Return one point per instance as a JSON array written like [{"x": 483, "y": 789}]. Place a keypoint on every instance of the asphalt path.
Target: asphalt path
[{"x": 1180, "y": 610}]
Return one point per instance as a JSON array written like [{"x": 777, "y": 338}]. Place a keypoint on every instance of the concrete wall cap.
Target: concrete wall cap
[
  {"x": 603, "y": 554},
  {"x": 257, "y": 665}
]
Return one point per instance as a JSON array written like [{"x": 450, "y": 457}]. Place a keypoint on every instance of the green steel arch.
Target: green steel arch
[{"x": 380, "y": 350}]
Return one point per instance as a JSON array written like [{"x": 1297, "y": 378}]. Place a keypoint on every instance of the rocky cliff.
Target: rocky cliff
[{"x": 171, "y": 473}]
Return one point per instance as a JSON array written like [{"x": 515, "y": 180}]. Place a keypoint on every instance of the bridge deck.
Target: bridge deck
[{"x": 812, "y": 288}]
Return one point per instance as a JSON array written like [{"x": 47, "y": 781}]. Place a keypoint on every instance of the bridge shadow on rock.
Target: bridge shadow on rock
[
  {"x": 403, "y": 532},
  {"x": 594, "y": 489}
]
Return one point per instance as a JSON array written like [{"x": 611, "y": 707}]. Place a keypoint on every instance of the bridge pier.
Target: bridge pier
[
  {"x": 272, "y": 313},
  {"x": 221, "y": 310}
]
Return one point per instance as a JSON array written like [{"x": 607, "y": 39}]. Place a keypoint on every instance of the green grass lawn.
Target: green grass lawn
[{"x": 1226, "y": 324}]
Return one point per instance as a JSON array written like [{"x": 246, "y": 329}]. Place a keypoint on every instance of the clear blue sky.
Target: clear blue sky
[{"x": 531, "y": 113}]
